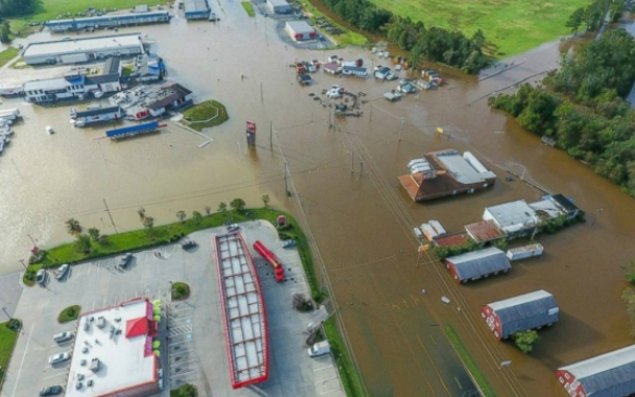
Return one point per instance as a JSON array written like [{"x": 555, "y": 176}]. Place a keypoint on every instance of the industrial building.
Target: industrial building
[
  {"x": 608, "y": 375},
  {"x": 75, "y": 86},
  {"x": 83, "y": 118},
  {"x": 196, "y": 9},
  {"x": 279, "y": 7},
  {"x": 450, "y": 174},
  {"x": 170, "y": 97},
  {"x": 107, "y": 21},
  {"x": 515, "y": 218},
  {"x": 116, "y": 353},
  {"x": 477, "y": 264},
  {"x": 554, "y": 206},
  {"x": 300, "y": 30},
  {"x": 83, "y": 49},
  {"x": 532, "y": 310}
]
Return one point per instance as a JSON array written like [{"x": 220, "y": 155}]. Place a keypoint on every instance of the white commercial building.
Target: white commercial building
[
  {"x": 300, "y": 30},
  {"x": 514, "y": 218},
  {"x": 114, "y": 353},
  {"x": 279, "y": 7},
  {"x": 83, "y": 50}
]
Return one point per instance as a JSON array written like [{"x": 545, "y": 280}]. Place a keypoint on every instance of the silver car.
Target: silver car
[{"x": 59, "y": 358}]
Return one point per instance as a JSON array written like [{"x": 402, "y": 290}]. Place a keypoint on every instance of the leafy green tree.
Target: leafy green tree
[
  {"x": 208, "y": 210},
  {"x": 575, "y": 20},
  {"x": 82, "y": 244},
  {"x": 73, "y": 227},
  {"x": 197, "y": 217},
  {"x": 12, "y": 8},
  {"x": 265, "y": 200},
  {"x": 181, "y": 215},
  {"x": 630, "y": 272},
  {"x": 237, "y": 204},
  {"x": 94, "y": 233},
  {"x": 526, "y": 340},
  {"x": 5, "y": 32}
]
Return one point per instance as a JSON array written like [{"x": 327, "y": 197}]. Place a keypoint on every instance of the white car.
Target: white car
[
  {"x": 63, "y": 336},
  {"x": 59, "y": 358},
  {"x": 233, "y": 227}
]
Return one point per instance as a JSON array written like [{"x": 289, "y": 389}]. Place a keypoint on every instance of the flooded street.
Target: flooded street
[{"x": 344, "y": 186}]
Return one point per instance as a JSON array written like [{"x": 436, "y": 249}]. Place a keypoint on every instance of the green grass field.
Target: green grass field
[
  {"x": 8, "y": 338},
  {"x": 7, "y": 55},
  {"x": 513, "y": 25},
  {"x": 249, "y": 8},
  {"x": 206, "y": 114},
  {"x": 54, "y": 9}
]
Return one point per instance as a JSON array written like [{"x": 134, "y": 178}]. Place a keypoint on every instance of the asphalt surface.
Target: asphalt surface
[{"x": 193, "y": 334}]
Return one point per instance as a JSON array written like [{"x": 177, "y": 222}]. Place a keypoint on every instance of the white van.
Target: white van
[{"x": 319, "y": 349}]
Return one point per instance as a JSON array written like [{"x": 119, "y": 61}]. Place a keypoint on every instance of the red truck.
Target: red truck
[{"x": 276, "y": 264}]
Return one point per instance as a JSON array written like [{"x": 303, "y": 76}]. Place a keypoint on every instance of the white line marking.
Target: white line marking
[{"x": 26, "y": 348}]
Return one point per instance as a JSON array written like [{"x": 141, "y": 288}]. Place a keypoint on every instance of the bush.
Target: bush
[
  {"x": 301, "y": 303},
  {"x": 180, "y": 291},
  {"x": 525, "y": 340},
  {"x": 69, "y": 314},
  {"x": 14, "y": 324},
  {"x": 186, "y": 390}
]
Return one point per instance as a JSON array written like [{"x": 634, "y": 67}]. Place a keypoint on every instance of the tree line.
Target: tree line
[
  {"x": 15, "y": 8},
  {"x": 581, "y": 107},
  {"x": 594, "y": 14},
  {"x": 436, "y": 44}
]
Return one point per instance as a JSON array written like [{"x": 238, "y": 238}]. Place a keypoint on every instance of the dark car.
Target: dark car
[
  {"x": 125, "y": 261},
  {"x": 51, "y": 391},
  {"x": 188, "y": 244}
]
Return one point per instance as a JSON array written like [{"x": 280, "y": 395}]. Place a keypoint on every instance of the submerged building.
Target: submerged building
[
  {"x": 196, "y": 9},
  {"x": 477, "y": 264},
  {"x": 107, "y": 21},
  {"x": 608, "y": 375},
  {"x": 300, "y": 30},
  {"x": 449, "y": 173},
  {"x": 83, "y": 49},
  {"x": 532, "y": 310}
]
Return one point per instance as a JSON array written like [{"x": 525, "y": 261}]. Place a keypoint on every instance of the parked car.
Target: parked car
[
  {"x": 125, "y": 261},
  {"x": 304, "y": 79},
  {"x": 384, "y": 73},
  {"x": 289, "y": 243},
  {"x": 63, "y": 336},
  {"x": 41, "y": 277},
  {"x": 188, "y": 244},
  {"x": 59, "y": 358},
  {"x": 319, "y": 349},
  {"x": 51, "y": 391},
  {"x": 233, "y": 227},
  {"x": 62, "y": 271}
]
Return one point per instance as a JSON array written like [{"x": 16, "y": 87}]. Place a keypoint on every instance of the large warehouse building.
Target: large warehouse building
[
  {"x": 532, "y": 310},
  {"x": 477, "y": 264},
  {"x": 279, "y": 7},
  {"x": 113, "y": 354},
  {"x": 83, "y": 50},
  {"x": 107, "y": 21},
  {"x": 608, "y": 375},
  {"x": 300, "y": 30},
  {"x": 196, "y": 9}
]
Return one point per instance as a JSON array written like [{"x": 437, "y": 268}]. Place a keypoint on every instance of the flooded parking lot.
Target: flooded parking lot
[{"x": 344, "y": 186}]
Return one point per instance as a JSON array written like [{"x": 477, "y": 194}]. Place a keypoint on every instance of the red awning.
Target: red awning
[{"x": 136, "y": 327}]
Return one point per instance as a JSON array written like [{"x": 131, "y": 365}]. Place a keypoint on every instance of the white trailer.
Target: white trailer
[{"x": 525, "y": 252}]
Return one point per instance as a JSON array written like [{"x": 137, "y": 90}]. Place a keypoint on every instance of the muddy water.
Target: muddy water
[{"x": 345, "y": 186}]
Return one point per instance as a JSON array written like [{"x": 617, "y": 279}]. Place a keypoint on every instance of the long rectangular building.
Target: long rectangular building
[
  {"x": 196, "y": 9},
  {"x": 524, "y": 312},
  {"x": 243, "y": 307},
  {"x": 107, "y": 21},
  {"x": 608, "y": 375},
  {"x": 83, "y": 49},
  {"x": 478, "y": 264}
]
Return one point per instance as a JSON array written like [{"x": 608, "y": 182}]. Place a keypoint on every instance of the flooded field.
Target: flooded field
[{"x": 344, "y": 185}]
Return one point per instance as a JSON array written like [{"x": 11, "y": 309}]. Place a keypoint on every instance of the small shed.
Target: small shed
[
  {"x": 607, "y": 375},
  {"x": 279, "y": 7},
  {"x": 532, "y": 310},
  {"x": 478, "y": 264},
  {"x": 300, "y": 30},
  {"x": 484, "y": 231}
]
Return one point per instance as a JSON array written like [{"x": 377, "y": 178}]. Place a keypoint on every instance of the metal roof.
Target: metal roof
[
  {"x": 300, "y": 26},
  {"x": 527, "y": 311},
  {"x": 91, "y": 44},
  {"x": 244, "y": 312},
  {"x": 515, "y": 215},
  {"x": 59, "y": 83},
  {"x": 476, "y": 264},
  {"x": 564, "y": 202},
  {"x": 278, "y": 3},
  {"x": 110, "y": 17},
  {"x": 96, "y": 112},
  {"x": 196, "y": 6},
  {"x": 483, "y": 231},
  {"x": 606, "y": 375},
  {"x": 461, "y": 169}
]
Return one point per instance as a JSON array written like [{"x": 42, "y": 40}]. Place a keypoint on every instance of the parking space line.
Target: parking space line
[
  {"x": 26, "y": 348},
  {"x": 57, "y": 375}
]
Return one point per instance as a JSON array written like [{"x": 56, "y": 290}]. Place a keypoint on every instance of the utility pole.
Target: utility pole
[
  {"x": 262, "y": 97},
  {"x": 112, "y": 221},
  {"x": 352, "y": 163},
  {"x": 370, "y": 116},
  {"x": 361, "y": 168},
  {"x": 270, "y": 134},
  {"x": 402, "y": 122}
]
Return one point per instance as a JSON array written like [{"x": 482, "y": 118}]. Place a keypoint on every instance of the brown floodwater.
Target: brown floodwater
[{"x": 344, "y": 187}]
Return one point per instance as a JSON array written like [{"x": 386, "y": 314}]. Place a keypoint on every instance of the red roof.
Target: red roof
[
  {"x": 484, "y": 231},
  {"x": 136, "y": 327}
]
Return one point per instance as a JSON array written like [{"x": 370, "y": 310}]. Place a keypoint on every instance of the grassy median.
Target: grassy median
[
  {"x": 7, "y": 55},
  {"x": 205, "y": 114},
  {"x": 249, "y": 8},
  {"x": 8, "y": 338},
  {"x": 469, "y": 363}
]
